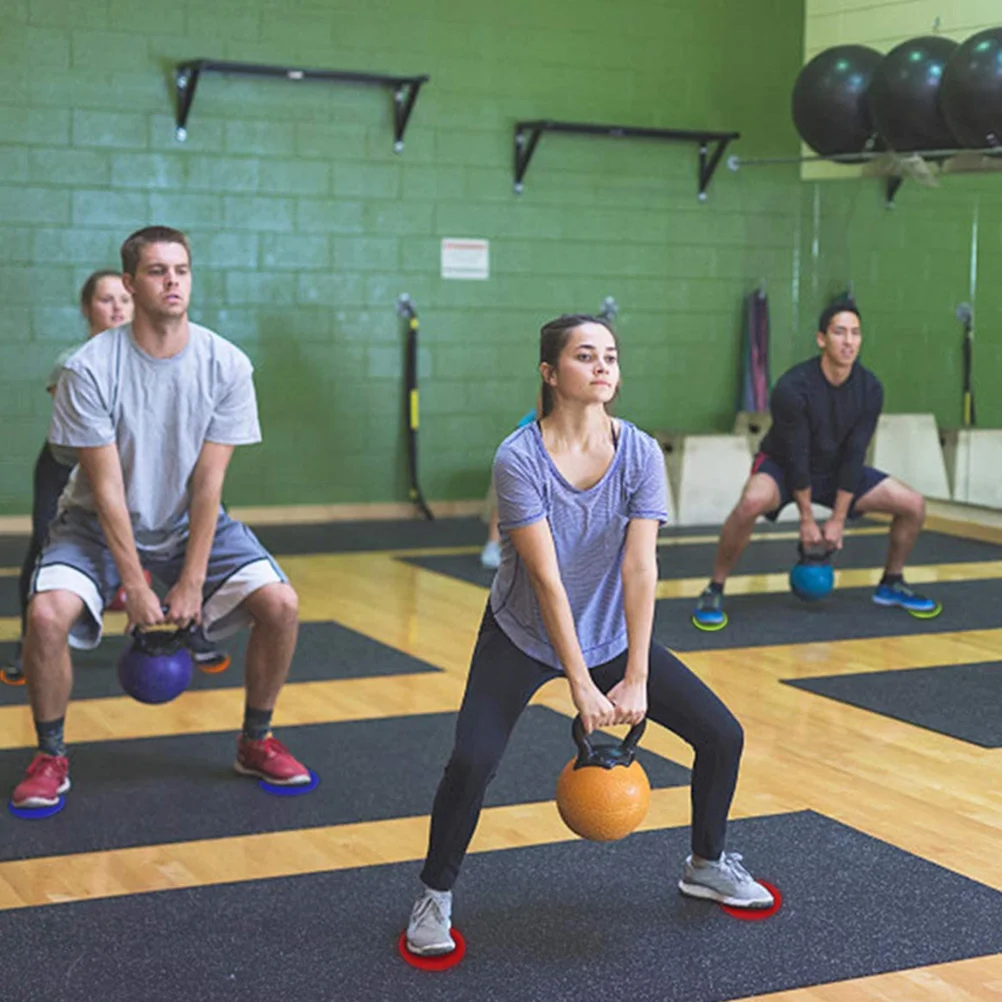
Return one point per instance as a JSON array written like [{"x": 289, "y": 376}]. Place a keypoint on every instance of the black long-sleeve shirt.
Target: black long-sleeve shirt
[{"x": 820, "y": 432}]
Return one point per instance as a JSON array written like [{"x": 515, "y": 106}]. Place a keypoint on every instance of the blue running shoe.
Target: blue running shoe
[
  {"x": 901, "y": 595},
  {"x": 709, "y": 614}
]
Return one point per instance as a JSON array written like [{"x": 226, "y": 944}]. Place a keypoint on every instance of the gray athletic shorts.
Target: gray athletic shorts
[{"x": 76, "y": 558}]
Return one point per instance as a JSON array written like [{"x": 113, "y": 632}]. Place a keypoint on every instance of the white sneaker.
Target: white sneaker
[
  {"x": 490, "y": 555},
  {"x": 429, "y": 929},
  {"x": 726, "y": 881}
]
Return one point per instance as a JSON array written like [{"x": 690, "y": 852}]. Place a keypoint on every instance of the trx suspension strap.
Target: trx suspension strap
[
  {"x": 405, "y": 308},
  {"x": 966, "y": 317}
]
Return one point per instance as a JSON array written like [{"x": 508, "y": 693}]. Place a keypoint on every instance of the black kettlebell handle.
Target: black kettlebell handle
[
  {"x": 162, "y": 641},
  {"x": 606, "y": 756},
  {"x": 817, "y": 553}
]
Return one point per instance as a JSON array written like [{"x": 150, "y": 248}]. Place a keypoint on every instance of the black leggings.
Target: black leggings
[
  {"x": 501, "y": 683},
  {"x": 51, "y": 478}
]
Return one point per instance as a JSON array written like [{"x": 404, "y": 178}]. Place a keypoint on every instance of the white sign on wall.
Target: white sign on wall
[{"x": 465, "y": 258}]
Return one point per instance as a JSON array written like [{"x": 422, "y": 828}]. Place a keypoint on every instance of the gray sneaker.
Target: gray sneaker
[
  {"x": 11, "y": 673},
  {"x": 205, "y": 654},
  {"x": 428, "y": 932},
  {"x": 490, "y": 555},
  {"x": 726, "y": 881}
]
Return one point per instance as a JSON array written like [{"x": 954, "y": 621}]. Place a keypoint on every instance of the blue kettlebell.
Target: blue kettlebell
[
  {"x": 812, "y": 577},
  {"x": 157, "y": 666}
]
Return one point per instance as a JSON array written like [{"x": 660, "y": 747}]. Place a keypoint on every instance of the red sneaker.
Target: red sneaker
[
  {"x": 117, "y": 604},
  {"x": 47, "y": 778},
  {"x": 271, "y": 761}
]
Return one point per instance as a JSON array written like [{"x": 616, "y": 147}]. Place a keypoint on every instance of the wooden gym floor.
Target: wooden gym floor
[{"x": 933, "y": 796}]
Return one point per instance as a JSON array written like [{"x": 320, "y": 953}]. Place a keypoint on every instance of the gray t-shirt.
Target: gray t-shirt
[
  {"x": 159, "y": 412},
  {"x": 57, "y": 367},
  {"x": 62, "y": 455},
  {"x": 589, "y": 535}
]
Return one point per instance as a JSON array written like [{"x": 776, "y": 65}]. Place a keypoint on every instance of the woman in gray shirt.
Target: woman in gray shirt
[
  {"x": 581, "y": 496},
  {"x": 104, "y": 303}
]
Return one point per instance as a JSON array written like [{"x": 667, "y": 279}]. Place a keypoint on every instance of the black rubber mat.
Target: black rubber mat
[
  {"x": 767, "y": 556},
  {"x": 960, "y": 701},
  {"x": 762, "y": 527},
  {"x": 757, "y": 620},
  {"x": 383, "y": 534},
  {"x": 763, "y": 556},
  {"x": 10, "y": 602},
  {"x": 464, "y": 566},
  {"x": 174, "y": 789},
  {"x": 324, "y": 651},
  {"x": 410, "y": 534},
  {"x": 550, "y": 923},
  {"x": 355, "y": 537},
  {"x": 13, "y": 550}
]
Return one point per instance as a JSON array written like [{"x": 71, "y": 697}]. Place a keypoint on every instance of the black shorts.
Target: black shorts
[{"x": 822, "y": 492}]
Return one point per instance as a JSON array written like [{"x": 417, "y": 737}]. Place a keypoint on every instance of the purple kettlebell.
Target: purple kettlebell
[{"x": 157, "y": 666}]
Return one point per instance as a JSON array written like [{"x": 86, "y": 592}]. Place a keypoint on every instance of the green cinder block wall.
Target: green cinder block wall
[
  {"x": 306, "y": 226},
  {"x": 910, "y": 267}
]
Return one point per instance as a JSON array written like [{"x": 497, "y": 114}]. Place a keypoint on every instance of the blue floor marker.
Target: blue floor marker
[
  {"x": 36, "y": 813},
  {"x": 297, "y": 790}
]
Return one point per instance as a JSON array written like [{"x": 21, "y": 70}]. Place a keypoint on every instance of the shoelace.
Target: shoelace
[
  {"x": 731, "y": 862},
  {"x": 710, "y": 599},
  {"x": 43, "y": 767},
  {"x": 426, "y": 905},
  {"x": 273, "y": 747}
]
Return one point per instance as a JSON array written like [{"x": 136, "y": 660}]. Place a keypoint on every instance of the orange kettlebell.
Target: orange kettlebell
[{"x": 604, "y": 793}]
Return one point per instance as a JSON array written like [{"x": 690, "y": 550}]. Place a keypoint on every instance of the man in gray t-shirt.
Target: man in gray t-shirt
[{"x": 154, "y": 409}]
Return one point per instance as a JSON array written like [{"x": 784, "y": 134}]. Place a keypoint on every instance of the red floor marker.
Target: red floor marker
[
  {"x": 440, "y": 963},
  {"x": 757, "y": 914},
  {"x": 214, "y": 669}
]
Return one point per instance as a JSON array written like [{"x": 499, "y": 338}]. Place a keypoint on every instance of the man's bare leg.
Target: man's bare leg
[
  {"x": 49, "y": 674},
  {"x": 760, "y": 495},
  {"x": 907, "y": 508},
  {"x": 275, "y": 610},
  {"x": 47, "y": 666}
]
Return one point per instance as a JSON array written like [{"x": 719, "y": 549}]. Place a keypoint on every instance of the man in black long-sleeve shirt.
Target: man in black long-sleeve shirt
[{"x": 824, "y": 412}]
